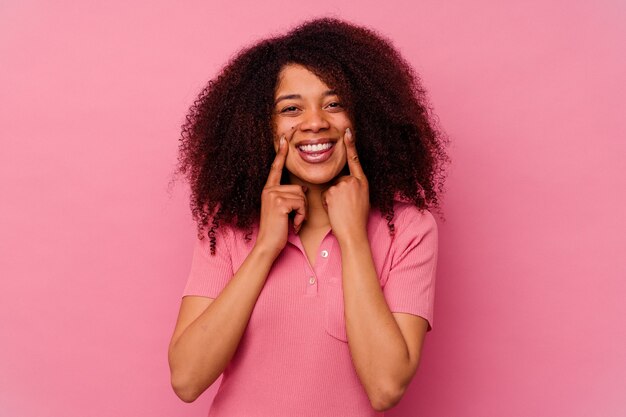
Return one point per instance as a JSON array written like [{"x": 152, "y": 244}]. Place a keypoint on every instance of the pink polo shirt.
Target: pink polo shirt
[{"x": 293, "y": 359}]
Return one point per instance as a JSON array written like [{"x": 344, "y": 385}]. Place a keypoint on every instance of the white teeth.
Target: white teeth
[{"x": 315, "y": 148}]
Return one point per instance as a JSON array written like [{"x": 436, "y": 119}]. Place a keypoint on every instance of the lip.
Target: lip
[{"x": 316, "y": 158}]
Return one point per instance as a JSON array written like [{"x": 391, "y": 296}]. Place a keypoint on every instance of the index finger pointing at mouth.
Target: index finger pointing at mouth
[
  {"x": 279, "y": 161},
  {"x": 353, "y": 159}
]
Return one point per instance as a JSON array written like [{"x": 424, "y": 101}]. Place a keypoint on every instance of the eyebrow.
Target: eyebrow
[{"x": 298, "y": 96}]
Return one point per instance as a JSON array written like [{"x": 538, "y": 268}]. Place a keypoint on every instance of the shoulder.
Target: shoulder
[
  {"x": 237, "y": 241},
  {"x": 408, "y": 221},
  {"x": 407, "y": 215},
  {"x": 412, "y": 227},
  {"x": 221, "y": 238}
]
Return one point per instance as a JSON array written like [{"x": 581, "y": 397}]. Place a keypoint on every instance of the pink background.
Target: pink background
[{"x": 95, "y": 247}]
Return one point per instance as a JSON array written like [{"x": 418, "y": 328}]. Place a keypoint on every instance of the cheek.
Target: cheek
[
  {"x": 343, "y": 121},
  {"x": 283, "y": 130},
  {"x": 344, "y": 159}
]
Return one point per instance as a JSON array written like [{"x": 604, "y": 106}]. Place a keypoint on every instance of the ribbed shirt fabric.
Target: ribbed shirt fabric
[{"x": 293, "y": 359}]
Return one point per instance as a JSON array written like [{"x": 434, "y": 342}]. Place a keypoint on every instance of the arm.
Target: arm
[
  {"x": 385, "y": 347},
  {"x": 208, "y": 331}
]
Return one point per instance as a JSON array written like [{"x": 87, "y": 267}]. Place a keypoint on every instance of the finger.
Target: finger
[
  {"x": 299, "y": 205},
  {"x": 353, "y": 159},
  {"x": 342, "y": 178},
  {"x": 277, "y": 192},
  {"x": 276, "y": 170},
  {"x": 300, "y": 217},
  {"x": 286, "y": 204},
  {"x": 291, "y": 188},
  {"x": 286, "y": 195}
]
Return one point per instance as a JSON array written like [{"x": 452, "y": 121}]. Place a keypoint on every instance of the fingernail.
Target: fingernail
[
  {"x": 282, "y": 141},
  {"x": 348, "y": 134}
]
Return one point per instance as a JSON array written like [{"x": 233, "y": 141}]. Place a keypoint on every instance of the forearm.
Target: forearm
[
  {"x": 204, "y": 349},
  {"x": 379, "y": 352}
]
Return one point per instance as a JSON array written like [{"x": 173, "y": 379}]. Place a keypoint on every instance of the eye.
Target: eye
[
  {"x": 335, "y": 105},
  {"x": 289, "y": 109}
]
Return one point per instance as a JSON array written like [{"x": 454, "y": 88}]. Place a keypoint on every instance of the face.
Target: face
[{"x": 313, "y": 120}]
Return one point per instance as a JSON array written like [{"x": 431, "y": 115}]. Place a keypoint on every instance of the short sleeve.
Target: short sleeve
[
  {"x": 209, "y": 274},
  {"x": 410, "y": 287}
]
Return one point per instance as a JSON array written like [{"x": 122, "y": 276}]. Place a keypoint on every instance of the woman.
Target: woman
[{"x": 314, "y": 158}]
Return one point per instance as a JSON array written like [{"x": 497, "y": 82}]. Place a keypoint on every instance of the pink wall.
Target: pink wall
[{"x": 95, "y": 248}]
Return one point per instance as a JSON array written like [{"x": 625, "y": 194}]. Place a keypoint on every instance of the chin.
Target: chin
[
  {"x": 319, "y": 181},
  {"x": 318, "y": 174},
  {"x": 318, "y": 178}
]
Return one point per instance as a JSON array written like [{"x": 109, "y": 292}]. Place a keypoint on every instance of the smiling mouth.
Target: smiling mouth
[
  {"x": 315, "y": 149},
  {"x": 316, "y": 153}
]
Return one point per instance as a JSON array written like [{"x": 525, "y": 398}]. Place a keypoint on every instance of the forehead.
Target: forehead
[{"x": 295, "y": 78}]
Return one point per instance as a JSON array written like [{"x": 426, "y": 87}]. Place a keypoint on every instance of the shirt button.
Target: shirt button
[
  {"x": 311, "y": 280},
  {"x": 324, "y": 254}
]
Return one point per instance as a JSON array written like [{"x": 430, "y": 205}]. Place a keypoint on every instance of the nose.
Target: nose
[{"x": 314, "y": 120}]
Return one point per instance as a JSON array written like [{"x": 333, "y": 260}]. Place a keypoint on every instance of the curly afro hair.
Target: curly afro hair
[{"x": 226, "y": 145}]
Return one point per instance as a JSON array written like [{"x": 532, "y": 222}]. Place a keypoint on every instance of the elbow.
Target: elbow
[
  {"x": 185, "y": 390},
  {"x": 387, "y": 398},
  {"x": 387, "y": 394},
  {"x": 186, "y": 396},
  {"x": 188, "y": 386},
  {"x": 185, "y": 383}
]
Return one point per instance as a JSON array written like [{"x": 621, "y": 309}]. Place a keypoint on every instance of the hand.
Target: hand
[
  {"x": 347, "y": 201},
  {"x": 277, "y": 201}
]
